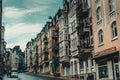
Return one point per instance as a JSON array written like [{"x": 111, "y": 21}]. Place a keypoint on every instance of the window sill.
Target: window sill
[
  {"x": 112, "y": 13},
  {"x": 115, "y": 38},
  {"x": 99, "y": 21},
  {"x": 97, "y": 1},
  {"x": 73, "y": 32},
  {"x": 101, "y": 44},
  {"x": 81, "y": 69}
]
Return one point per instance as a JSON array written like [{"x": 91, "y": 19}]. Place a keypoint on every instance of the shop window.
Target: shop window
[
  {"x": 102, "y": 69},
  {"x": 115, "y": 59}
]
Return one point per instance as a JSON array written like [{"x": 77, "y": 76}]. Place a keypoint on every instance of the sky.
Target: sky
[{"x": 24, "y": 19}]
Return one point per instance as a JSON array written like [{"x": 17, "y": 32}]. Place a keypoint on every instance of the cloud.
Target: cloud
[
  {"x": 21, "y": 33},
  {"x": 21, "y": 40},
  {"x": 21, "y": 28},
  {"x": 25, "y": 18},
  {"x": 14, "y": 12},
  {"x": 38, "y": 3}
]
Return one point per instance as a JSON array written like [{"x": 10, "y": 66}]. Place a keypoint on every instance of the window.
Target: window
[
  {"x": 87, "y": 63},
  {"x": 81, "y": 65},
  {"x": 100, "y": 36},
  {"x": 73, "y": 25},
  {"x": 71, "y": 68},
  {"x": 75, "y": 67},
  {"x": 63, "y": 69},
  {"x": 114, "y": 29},
  {"x": 61, "y": 36},
  {"x": 98, "y": 12},
  {"x": 111, "y": 5},
  {"x": 85, "y": 3},
  {"x": 97, "y": 0},
  {"x": 92, "y": 62},
  {"x": 115, "y": 59},
  {"x": 74, "y": 43}
]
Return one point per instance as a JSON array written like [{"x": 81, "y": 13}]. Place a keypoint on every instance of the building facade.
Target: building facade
[
  {"x": 64, "y": 40},
  {"x": 81, "y": 39},
  {"x": 106, "y": 38}
]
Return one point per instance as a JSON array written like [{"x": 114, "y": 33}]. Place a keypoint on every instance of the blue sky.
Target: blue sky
[{"x": 23, "y": 19}]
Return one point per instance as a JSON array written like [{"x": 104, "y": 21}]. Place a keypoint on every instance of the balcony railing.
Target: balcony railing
[
  {"x": 54, "y": 33},
  {"x": 84, "y": 48},
  {"x": 55, "y": 47},
  {"x": 45, "y": 40},
  {"x": 84, "y": 26},
  {"x": 82, "y": 8},
  {"x": 64, "y": 58},
  {"x": 46, "y": 59},
  {"x": 46, "y": 50},
  {"x": 81, "y": 30}
]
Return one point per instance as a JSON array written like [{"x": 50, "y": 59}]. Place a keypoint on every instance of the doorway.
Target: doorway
[
  {"x": 116, "y": 71},
  {"x": 116, "y": 68}
]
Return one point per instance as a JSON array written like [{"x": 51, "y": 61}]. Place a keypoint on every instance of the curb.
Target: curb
[
  {"x": 53, "y": 77},
  {"x": 45, "y": 76}
]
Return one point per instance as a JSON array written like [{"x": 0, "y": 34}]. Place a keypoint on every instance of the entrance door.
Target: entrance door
[
  {"x": 76, "y": 68},
  {"x": 116, "y": 71}
]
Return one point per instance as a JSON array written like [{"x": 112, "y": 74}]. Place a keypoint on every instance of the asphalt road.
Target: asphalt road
[{"x": 23, "y": 76}]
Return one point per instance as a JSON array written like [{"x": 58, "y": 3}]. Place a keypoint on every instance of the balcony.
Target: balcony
[
  {"x": 82, "y": 9},
  {"x": 31, "y": 58},
  {"x": 46, "y": 50},
  {"x": 55, "y": 47},
  {"x": 54, "y": 33},
  {"x": 85, "y": 50},
  {"x": 84, "y": 26},
  {"x": 64, "y": 58},
  {"x": 45, "y": 40},
  {"x": 82, "y": 30},
  {"x": 46, "y": 60}
]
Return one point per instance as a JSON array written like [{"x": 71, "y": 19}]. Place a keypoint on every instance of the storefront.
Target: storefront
[{"x": 107, "y": 64}]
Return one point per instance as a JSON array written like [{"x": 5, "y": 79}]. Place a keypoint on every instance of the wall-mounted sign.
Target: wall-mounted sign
[{"x": 106, "y": 52}]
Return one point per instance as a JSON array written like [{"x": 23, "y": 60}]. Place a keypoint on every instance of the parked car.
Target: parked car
[
  {"x": 14, "y": 75},
  {"x": 1, "y": 75}
]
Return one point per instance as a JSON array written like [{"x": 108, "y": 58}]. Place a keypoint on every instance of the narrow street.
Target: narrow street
[{"x": 23, "y": 76}]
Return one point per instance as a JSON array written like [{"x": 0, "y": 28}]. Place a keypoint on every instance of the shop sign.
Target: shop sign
[{"x": 106, "y": 51}]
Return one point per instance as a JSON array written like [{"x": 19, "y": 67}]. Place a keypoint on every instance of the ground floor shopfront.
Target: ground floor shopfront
[
  {"x": 65, "y": 69},
  {"x": 107, "y": 67},
  {"x": 82, "y": 68}
]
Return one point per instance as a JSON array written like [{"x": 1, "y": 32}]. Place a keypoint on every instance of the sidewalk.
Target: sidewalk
[{"x": 50, "y": 76}]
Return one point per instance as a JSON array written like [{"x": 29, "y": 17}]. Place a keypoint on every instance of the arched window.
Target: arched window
[
  {"x": 100, "y": 36},
  {"x": 98, "y": 13},
  {"x": 114, "y": 29},
  {"x": 111, "y": 5}
]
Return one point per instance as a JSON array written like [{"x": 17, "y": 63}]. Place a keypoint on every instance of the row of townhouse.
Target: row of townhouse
[
  {"x": 81, "y": 39},
  {"x": 14, "y": 58}
]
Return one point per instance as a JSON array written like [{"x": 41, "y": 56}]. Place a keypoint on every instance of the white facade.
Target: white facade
[{"x": 74, "y": 62}]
